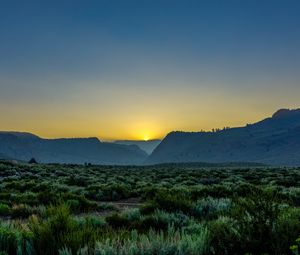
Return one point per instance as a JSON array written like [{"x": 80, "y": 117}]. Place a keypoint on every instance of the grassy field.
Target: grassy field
[{"x": 167, "y": 209}]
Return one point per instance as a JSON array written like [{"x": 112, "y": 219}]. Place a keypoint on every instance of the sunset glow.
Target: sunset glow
[
  {"x": 197, "y": 67},
  {"x": 146, "y": 138}
]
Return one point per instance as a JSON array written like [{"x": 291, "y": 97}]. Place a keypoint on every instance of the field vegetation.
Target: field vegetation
[{"x": 164, "y": 209}]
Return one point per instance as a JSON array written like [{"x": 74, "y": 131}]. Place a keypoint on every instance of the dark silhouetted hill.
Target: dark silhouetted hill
[
  {"x": 24, "y": 146},
  {"x": 274, "y": 141}
]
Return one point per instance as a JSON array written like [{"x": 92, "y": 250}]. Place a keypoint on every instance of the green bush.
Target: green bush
[
  {"x": 111, "y": 192},
  {"x": 4, "y": 210},
  {"x": 225, "y": 236},
  {"x": 215, "y": 191},
  {"x": 170, "y": 243},
  {"x": 210, "y": 208},
  {"x": 296, "y": 247},
  {"x": 78, "y": 203},
  {"x": 172, "y": 202},
  {"x": 153, "y": 222},
  {"x": 92, "y": 221},
  {"x": 286, "y": 230},
  {"x": 73, "y": 204},
  {"x": 14, "y": 241},
  {"x": 60, "y": 230},
  {"x": 21, "y": 211},
  {"x": 8, "y": 240},
  {"x": 256, "y": 218},
  {"x": 133, "y": 214},
  {"x": 118, "y": 221}
]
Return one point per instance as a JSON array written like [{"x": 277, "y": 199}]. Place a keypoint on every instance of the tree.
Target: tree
[{"x": 32, "y": 161}]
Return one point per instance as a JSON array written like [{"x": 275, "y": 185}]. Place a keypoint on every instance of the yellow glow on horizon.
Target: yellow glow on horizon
[
  {"x": 145, "y": 135},
  {"x": 151, "y": 115}
]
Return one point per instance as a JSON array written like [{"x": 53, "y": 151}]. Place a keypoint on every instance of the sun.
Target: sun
[{"x": 146, "y": 137}]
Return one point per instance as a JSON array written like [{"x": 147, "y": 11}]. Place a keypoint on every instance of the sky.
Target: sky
[{"x": 139, "y": 69}]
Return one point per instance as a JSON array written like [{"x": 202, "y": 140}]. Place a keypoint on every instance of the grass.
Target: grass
[{"x": 172, "y": 209}]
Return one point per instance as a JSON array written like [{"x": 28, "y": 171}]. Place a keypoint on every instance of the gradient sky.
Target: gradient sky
[{"x": 139, "y": 69}]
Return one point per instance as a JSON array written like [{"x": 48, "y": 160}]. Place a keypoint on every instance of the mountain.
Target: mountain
[
  {"x": 275, "y": 141},
  {"x": 24, "y": 146},
  {"x": 147, "y": 146}
]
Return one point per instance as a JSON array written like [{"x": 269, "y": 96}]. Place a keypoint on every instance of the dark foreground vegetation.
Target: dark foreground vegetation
[{"x": 167, "y": 209}]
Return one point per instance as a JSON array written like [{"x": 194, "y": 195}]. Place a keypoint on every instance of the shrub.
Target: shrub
[
  {"x": 153, "y": 222},
  {"x": 225, "y": 236},
  {"x": 210, "y": 208},
  {"x": 47, "y": 197},
  {"x": 29, "y": 198},
  {"x": 172, "y": 202},
  {"x": 78, "y": 203},
  {"x": 133, "y": 214},
  {"x": 111, "y": 192},
  {"x": 256, "y": 218},
  {"x": 148, "y": 208},
  {"x": 295, "y": 248},
  {"x": 159, "y": 220},
  {"x": 94, "y": 222},
  {"x": 60, "y": 230},
  {"x": 14, "y": 241},
  {"x": 171, "y": 243},
  {"x": 4, "y": 210},
  {"x": 216, "y": 191},
  {"x": 21, "y": 211},
  {"x": 8, "y": 240},
  {"x": 73, "y": 204},
  {"x": 118, "y": 221},
  {"x": 286, "y": 230}
]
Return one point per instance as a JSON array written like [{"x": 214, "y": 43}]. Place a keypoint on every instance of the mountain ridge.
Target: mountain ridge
[
  {"x": 23, "y": 146},
  {"x": 274, "y": 140}
]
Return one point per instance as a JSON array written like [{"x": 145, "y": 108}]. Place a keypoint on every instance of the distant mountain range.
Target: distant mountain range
[
  {"x": 147, "y": 146},
  {"x": 24, "y": 146},
  {"x": 274, "y": 141}
]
